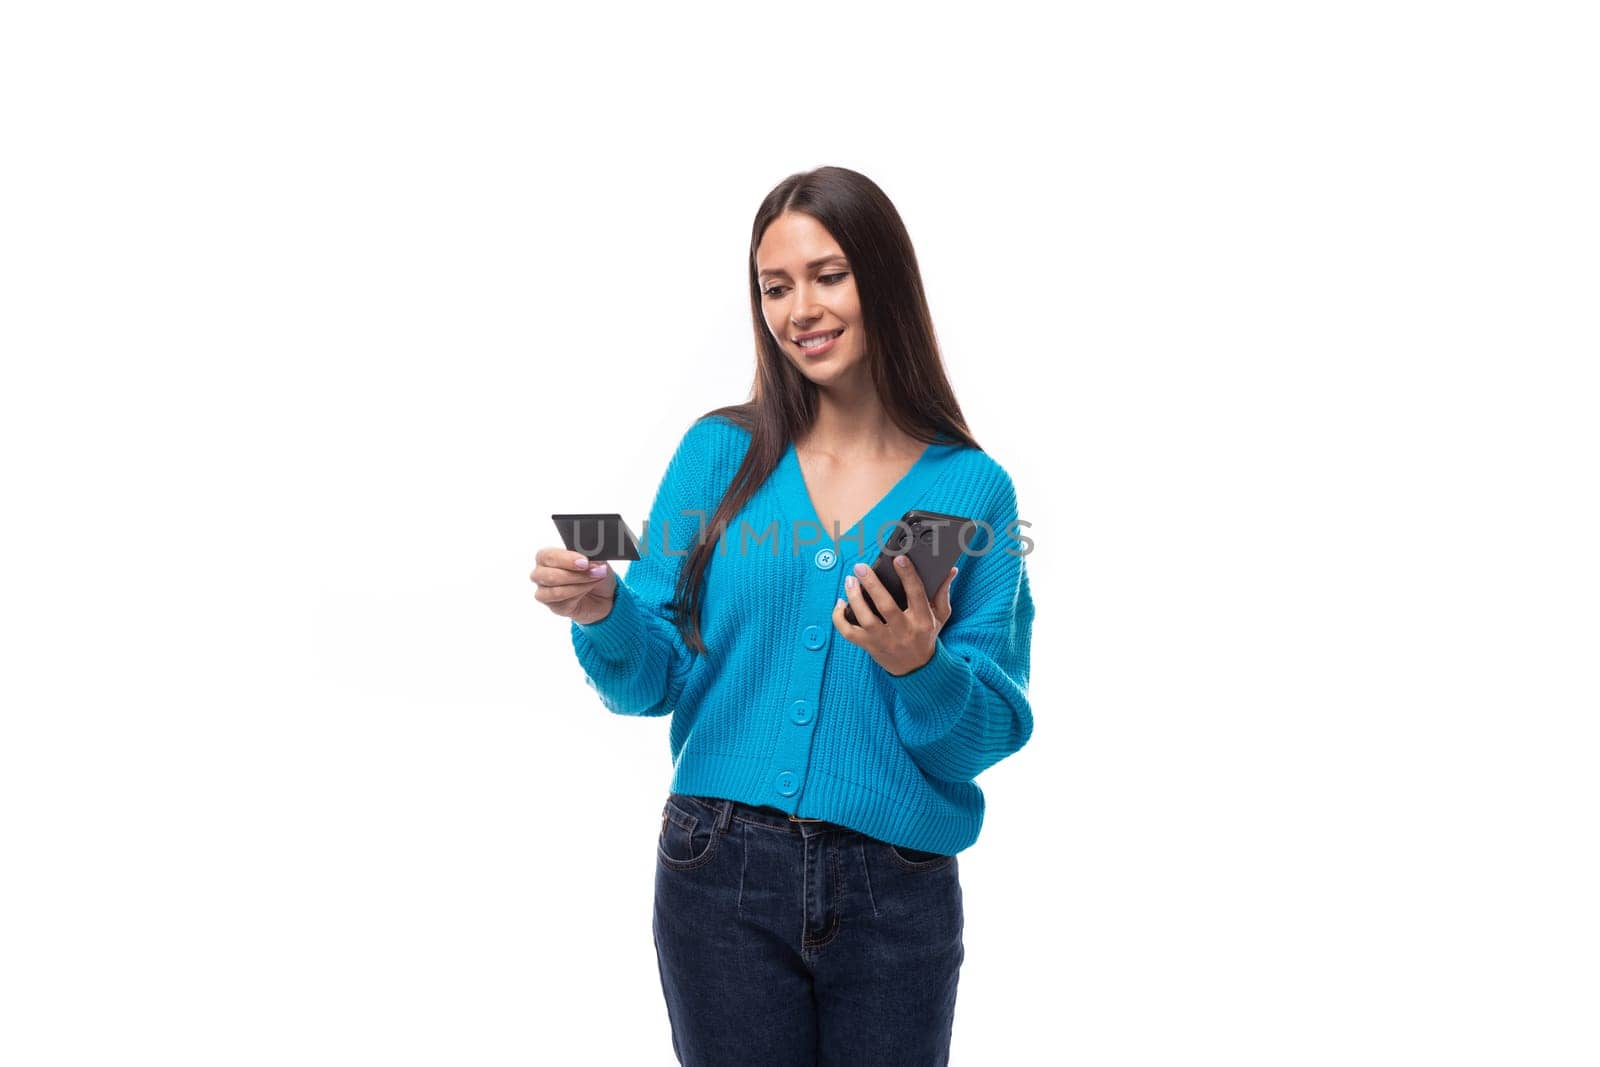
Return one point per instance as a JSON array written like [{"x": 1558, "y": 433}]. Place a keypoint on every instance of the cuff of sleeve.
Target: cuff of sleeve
[
  {"x": 939, "y": 688},
  {"x": 621, "y": 632}
]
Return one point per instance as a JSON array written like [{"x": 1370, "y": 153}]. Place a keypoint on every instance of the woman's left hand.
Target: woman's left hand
[{"x": 907, "y": 639}]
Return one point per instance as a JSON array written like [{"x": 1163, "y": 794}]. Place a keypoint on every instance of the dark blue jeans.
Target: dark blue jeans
[{"x": 793, "y": 944}]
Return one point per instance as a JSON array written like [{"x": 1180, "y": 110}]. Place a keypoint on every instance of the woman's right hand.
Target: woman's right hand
[{"x": 568, "y": 585}]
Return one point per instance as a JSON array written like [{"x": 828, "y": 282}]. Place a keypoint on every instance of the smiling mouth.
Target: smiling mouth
[{"x": 819, "y": 340}]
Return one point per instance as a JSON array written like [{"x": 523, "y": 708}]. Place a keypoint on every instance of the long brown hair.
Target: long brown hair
[{"x": 900, "y": 348}]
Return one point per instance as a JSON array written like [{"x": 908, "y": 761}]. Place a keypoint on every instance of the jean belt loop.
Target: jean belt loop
[{"x": 725, "y": 816}]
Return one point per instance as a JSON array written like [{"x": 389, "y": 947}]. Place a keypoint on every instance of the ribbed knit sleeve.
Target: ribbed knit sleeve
[
  {"x": 967, "y": 708},
  {"x": 635, "y": 658}
]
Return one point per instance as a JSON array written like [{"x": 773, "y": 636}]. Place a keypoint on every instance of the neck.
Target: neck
[{"x": 854, "y": 423}]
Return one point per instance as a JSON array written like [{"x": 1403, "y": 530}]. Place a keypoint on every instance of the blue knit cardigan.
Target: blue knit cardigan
[{"x": 782, "y": 710}]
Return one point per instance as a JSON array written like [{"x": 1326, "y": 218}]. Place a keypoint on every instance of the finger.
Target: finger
[
  {"x": 846, "y": 628},
  {"x": 865, "y": 619},
  {"x": 560, "y": 594},
  {"x": 565, "y": 589},
  {"x": 873, "y": 588},
  {"x": 563, "y": 559},
  {"x": 942, "y": 609},
  {"x": 916, "y": 595},
  {"x": 556, "y": 576}
]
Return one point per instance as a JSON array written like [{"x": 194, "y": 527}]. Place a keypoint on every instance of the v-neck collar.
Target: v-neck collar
[{"x": 900, "y": 498}]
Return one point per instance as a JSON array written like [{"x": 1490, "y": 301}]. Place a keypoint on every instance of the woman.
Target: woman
[{"x": 808, "y": 902}]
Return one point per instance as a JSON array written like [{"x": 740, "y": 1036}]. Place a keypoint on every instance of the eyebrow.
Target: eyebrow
[{"x": 812, "y": 265}]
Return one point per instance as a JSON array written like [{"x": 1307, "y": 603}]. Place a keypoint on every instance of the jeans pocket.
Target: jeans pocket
[
  {"x": 915, "y": 859},
  {"x": 686, "y": 839}
]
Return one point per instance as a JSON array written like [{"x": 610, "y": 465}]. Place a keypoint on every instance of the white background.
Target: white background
[{"x": 1282, "y": 317}]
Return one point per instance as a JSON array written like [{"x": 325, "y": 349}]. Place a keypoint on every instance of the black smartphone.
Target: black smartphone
[
  {"x": 934, "y": 543},
  {"x": 598, "y": 536}
]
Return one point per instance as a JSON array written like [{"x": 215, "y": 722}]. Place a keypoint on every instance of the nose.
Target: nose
[{"x": 805, "y": 309}]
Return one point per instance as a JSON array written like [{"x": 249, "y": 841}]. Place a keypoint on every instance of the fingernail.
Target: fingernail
[
  {"x": 901, "y": 561},
  {"x": 861, "y": 568},
  {"x": 597, "y": 571},
  {"x": 849, "y": 581},
  {"x": 580, "y": 563}
]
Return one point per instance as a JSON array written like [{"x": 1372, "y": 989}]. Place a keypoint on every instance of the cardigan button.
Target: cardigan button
[
  {"x": 826, "y": 559},
  {"x": 813, "y": 637},
  {"x": 800, "y": 711},
  {"x": 788, "y": 784}
]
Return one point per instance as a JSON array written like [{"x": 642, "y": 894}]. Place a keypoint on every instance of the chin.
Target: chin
[{"x": 824, "y": 374}]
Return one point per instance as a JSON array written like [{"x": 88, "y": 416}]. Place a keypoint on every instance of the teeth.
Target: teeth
[{"x": 813, "y": 342}]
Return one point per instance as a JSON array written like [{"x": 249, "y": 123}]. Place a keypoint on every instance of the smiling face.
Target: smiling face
[{"x": 808, "y": 287}]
